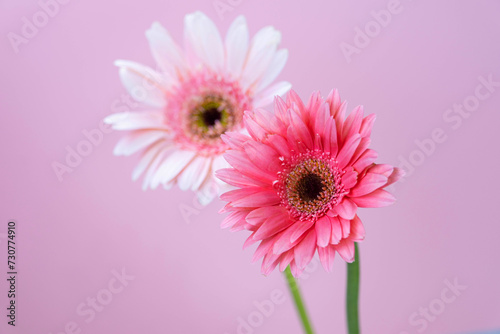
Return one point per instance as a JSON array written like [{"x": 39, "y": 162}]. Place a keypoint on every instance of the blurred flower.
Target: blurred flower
[
  {"x": 198, "y": 94},
  {"x": 302, "y": 174}
]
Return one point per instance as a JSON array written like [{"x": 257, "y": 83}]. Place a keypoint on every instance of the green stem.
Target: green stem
[
  {"x": 352, "y": 295},
  {"x": 299, "y": 304}
]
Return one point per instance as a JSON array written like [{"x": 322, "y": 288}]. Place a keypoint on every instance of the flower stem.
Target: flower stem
[
  {"x": 299, "y": 304},
  {"x": 352, "y": 295}
]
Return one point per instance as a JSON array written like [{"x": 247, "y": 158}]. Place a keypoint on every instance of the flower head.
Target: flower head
[
  {"x": 302, "y": 173},
  {"x": 197, "y": 95}
]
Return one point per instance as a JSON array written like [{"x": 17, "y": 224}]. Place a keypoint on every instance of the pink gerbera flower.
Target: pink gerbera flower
[
  {"x": 302, "y": 174},
  {"x": 198, "y": 94}
]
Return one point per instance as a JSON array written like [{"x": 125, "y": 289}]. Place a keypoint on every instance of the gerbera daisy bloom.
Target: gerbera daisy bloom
[
  {"x": 196, "y": 95},
  {"x": 302, "y": 173}
]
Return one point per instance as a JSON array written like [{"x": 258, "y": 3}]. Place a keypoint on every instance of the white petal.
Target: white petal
[
  {"x": 173, "y": 165},
  {"x": 236, "y": 46},
  {"x": 153, "y": 170},
  {"x": 267, "y": 96},
  {"x": 137, "y": 140},
  {"x": 202, "y": 174},
  {"x": 191, "y": 175},
  {"x": 262, "y": 49},
  {"x": 166, "y": 52},
  {"x": 146, "y": 159},
  {"x": 204, "y": 39},
  {"x": 219, "y": 163},
  {"x": 274, "y": 69},
  {"x": 208, "y": 192},
  {"x": 137, "y": 120},
  {"x": 143, "y": 83}
]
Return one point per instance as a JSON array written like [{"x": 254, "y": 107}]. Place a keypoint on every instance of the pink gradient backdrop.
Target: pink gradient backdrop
[{"x": 193, "y": 277}]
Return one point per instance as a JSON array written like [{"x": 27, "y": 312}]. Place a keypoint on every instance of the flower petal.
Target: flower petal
[
  {"x": 136, "y": 141},
  {"x": 266, "y": 96},
  {"x": 323, "y": 231},
  {"x": 346, "y": 250},
  {"x": 326, "y": 256},
  {"x": 275, "y": 67},
  {"x": 137, "y": 120},
  {"x": 262, "y": 49},
  {"x": 236, "y": 46},
  {"x": 143, "y": 83},
  {"x": 304, "y": 251},
  {"x": 300, "y": 229},
  {"x": 166, "y": 52},
  {"x": 204, "y": 39},
  {"x": 376, "y": 199},
  {"x": 357, "y": 230},
  {"x": 367, "y": 184},
  {"x": 346, "y": 208},
  {"x": 346, "y": 152},
  {"x": 336, "y": 230}
]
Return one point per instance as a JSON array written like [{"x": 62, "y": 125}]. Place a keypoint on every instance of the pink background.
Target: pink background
[{"x": 193, "y": 277}]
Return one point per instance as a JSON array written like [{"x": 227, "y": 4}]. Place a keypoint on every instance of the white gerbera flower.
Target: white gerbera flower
[{"x": 198, "y": 94}]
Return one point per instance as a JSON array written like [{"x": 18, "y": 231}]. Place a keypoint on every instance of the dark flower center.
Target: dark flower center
[
  {"x": 309, "y": 187},
  {"x": 210, "y": 116}
]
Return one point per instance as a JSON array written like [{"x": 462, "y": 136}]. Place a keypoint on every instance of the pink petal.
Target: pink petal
[
  {"x": 376, "y": 199},
  {"x": 259, "y": 215},
  {"x": 269, "y": 263},
  {"x": 353, "y": 123},
  {"x": 285, "y": 260},
  {"x": 336, "y": 230},
  {"x": 382, "y": 169},
  {"x": 349, "y": 179},
  {"x": 346, "y": 208},
  {"x": 300, "y": 229},
  {"x": 250, "y": 241},
  {"x": 237, "y": 194},
  {"x": 280, "y": 144},
  {"x": 233, "y": 218},
  {"x": 346, "y": 152},
  {"x": 367, "y": 184},
  {"x": 305, "y": 250},
  {"x": 326, "y": 256},
  {"x": 357, "y": 230},
  {"x": 266, "y": 197},
  {"x": 239, "y": 160},
  {"x": 293, "y": 97},
  {"x": 397, "y": 174},
  {"x": 263, "y": 248},
  {"x": 235, "y": 140},
  {"x": 321, "y": 118},
  {"x": 346, "y": 250},
  {"x": 330, "y": 141},
  {"x": 301, "y": 131},
  {"x": 235, "y": 178},
  {"x": 283, "y": 242},
  {"x": 273, "y": 225},
  {"x": 254, "y": 129},
  {"x": 362, "y": 147},
  {"x": 262, "y": 156},
  {"x": 346, "y": 227},
  {"x": 367, "y": 158},
  {"x": 366, "y": 125},
  {"x": 296, "y": 271},
  {"x": 268, "y": 121},
  {"x": 323, "y": 231}
]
